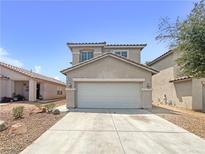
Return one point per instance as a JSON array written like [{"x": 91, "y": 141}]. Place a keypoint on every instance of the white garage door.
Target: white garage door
[{"x": 108, "y": 95}]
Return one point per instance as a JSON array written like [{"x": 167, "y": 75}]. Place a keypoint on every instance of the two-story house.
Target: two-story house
[
  {"x": 108, "y": 76},
  {"x": 173, "y": 88}
]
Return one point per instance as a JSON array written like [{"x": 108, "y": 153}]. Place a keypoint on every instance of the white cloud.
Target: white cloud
[
  {"x": 5, "y": 57},
  {"x": 37, "y": 69},
  {"x": 57, "y": 78}
]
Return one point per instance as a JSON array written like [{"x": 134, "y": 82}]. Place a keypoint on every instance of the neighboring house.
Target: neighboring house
[
  {"x": 33, "y": 86},
  {"x": 108, "y": 76},
  {"x": 172, "y": 87}
]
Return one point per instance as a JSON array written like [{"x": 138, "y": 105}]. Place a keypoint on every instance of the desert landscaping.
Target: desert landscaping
[
  {"x": 190, "y": 120},
  {"x": 21, "y": 132}
]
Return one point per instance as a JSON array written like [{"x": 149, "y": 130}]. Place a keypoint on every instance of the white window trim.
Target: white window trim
[
  {"x": 121, "y": 50},
  {"x": 87, "y": 52}
]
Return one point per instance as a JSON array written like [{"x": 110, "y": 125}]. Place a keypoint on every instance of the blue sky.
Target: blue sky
[{"x": 33, "y": 34}]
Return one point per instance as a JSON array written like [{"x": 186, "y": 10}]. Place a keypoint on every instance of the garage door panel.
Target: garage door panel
[{"x": 108, "y": 95}]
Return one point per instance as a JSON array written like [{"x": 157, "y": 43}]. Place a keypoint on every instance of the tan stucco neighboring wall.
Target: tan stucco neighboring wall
[
  {"x": 186, "y": 93},
  {"x": 6, "y": 88},
  {"x": 178, "y": 93},
  {"x": 109, "y": 68},
  {"x": 50, "y": 91},
  {"x": 182, "y": 94},
  {"x": 164, "y": 63},
  {"x": 197, "y": 93},
  {"x": 22, "y": 88},
  {"x": 16, "y": 83},
  {"x": 161, "y": 85},
  {"x": 164, "y": 91}
]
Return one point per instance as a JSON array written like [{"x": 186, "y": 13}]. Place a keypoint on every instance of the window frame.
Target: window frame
[
  {"x": 115, "y": 52},
  {"x": 87, "y": 56}
]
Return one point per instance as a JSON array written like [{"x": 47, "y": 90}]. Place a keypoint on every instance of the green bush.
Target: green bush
[
  {"x": 18, "y": 112},
  {"x": 49, "y": 107}
]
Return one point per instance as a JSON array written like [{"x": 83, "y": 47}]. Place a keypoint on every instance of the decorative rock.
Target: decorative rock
[
  {"x": 56, "y": 111},
  {"x": 42, "y": 110},
  {"x": 2, "y": 125},
  {"x": 18, "y": 128}
]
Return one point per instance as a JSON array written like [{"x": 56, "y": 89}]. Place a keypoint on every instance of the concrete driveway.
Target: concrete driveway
[{"x": 115, "y": 132}]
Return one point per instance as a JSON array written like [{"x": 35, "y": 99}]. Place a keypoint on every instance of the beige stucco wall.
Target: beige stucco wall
[
  {"x": 187, "y": 94},
  {"x": 110, "y": 68},
  {"x": 50, "y": 91},
  {"x": 182, "y": 94},
  {"x": 161, "y": 85},
  {"x": 6, "y": 88},
  {"x": 16, "y": 82},
  {"x": 178, "y": 93},
  {"x": 76, "y": 52},
  {"x": 197, "y": 93},
  {"x": 164, "y": 63},
  {"x": 133, "y": 53},
  {"x": 22, "y": 88}
]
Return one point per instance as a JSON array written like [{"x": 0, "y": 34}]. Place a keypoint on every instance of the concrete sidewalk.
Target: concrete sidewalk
[{"x": 115, "y": 131}]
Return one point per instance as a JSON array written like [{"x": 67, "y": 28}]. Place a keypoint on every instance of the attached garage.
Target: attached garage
[
  {"x": 109, "y": 81},
  {"x": 109, "y": 95}
]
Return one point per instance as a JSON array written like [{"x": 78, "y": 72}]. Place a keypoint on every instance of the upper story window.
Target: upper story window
[
  {"x": 85, "y": 55},
  {"x": 122, "y": 53}
]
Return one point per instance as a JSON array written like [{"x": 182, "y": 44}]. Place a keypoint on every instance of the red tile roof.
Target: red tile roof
[
  {"x": 30, "y": 73},
  {"x": 181, "y": 78},
  {"x": 104, "y": 44}
]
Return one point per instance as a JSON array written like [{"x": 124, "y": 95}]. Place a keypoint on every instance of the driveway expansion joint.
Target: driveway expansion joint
[{"x": 118, "y": 134}]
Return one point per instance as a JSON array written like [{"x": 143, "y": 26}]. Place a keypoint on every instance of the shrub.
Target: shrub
[
  {"x": 56, "y": 111},
  {"x": 18, "y": 112},
  {"x": 49, "y": 107}
]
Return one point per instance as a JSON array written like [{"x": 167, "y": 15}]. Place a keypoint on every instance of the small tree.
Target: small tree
[{"x": 189, "y": 37}]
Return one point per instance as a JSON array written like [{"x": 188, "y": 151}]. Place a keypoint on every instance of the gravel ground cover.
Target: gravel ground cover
[
  {"x": 190, "y": 120},
  {"x": 36, "y": 125}
]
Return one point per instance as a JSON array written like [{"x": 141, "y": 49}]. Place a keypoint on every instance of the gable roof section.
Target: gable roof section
[
  {"x": 160, "y": 57},
  {"x": 153, "y": 71},
  {"x": 30, "y": 74}
]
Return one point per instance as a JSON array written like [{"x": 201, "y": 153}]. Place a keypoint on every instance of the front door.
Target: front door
[{"x": 37, "y": 91}]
